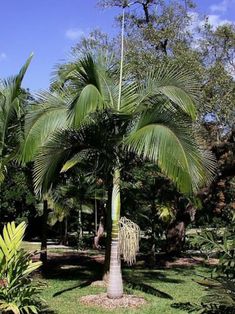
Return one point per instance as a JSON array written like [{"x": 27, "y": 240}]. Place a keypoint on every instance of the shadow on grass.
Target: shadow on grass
[
  {"x": 81, "y": 285},
  {"x": 75, "y": 267},
  {"x": 185, "y": 306},
  {"x": 146, "y": 289},
  {"x": 158, "y": 276},
  {"x": 84, "y": 269},
  {"x": 189, "y": 270}
]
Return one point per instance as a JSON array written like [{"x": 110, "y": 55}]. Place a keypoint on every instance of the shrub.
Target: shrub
[
  {"x": 18, "y": 293},
  {"x": 221, "y": 296}
]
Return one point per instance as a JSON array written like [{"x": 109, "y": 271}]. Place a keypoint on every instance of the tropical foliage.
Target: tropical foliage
[
  {"x": 221, "y": 243},
  {"x": 106, "y": 121},
  {"x": 12, "y": 107},
  {"x": 124, "y": 134},
  {"x": 18, "y": 294}
]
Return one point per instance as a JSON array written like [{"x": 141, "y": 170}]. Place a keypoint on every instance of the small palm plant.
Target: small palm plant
[{"x": 18, "y": 294}]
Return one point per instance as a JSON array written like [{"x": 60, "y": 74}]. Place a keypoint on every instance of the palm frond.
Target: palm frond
[
  {"x": 11, "y": 112},
  {"x": 88, "y": 101},
  {"x": 41, "y": 121},
  {"x": 13, "y": 84},
  {"x": 174, "y": 83},
  {"x": 167, "y": 140},
  {"x": 54, "y": 154},
  {"x": 77, "y": 158}
]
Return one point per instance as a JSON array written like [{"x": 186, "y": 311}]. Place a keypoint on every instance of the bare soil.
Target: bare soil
[
  {"x": 190, "y": 261},
  {"x": 101, "y": 300}
]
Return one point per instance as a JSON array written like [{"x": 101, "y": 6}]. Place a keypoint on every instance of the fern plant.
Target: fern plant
[{"x": 18, "y": 293}]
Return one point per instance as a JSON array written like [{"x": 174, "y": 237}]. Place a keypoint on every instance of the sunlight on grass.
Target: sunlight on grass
[{"x": 172, "y": 286}]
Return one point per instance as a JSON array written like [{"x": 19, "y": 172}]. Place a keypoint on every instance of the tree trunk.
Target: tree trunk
[
  {"x": 99, "y": 234},
  {"x": 96, "y": 215},
  {"x": 175, "y": 237},
  {"x": 63, "y": 232},
  {"x": 43, "y": 254},
  {"x": 108, "y": 225},
  {"x": 115, "y": 284},
  {"x": 80, "y": 231},
  {"x": 153, "y": 235},
  {"x": 65, "y": 241}
]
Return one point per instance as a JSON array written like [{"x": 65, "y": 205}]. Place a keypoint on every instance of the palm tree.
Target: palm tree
[
  {"x": 92, "y": 118},
  {"x": 82, "y": 191},
  {"x": 12, "y": 100},
  {"x": 94, "y": 112}
]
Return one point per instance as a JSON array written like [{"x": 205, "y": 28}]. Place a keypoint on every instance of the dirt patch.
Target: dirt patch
[
  {"x": 101, "y": 300},
  {"x": 190, "y": 261}
]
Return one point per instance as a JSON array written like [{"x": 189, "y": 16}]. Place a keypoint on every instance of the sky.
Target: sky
[{"x": 49, "y": 28}]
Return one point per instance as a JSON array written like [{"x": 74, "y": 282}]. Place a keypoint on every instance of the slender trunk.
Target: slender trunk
[
  {"x": 43, "y": 254},
  {"x": 65, "y": 231},
  {"x": 61, "y": 233},
  {"x": 115, "y": 284},
  {"x": 146, "y": 12},
  {"x": 99, "y": 233},
  {"x": 96, "y": 216},
  {"x": 153, "y": 235},
  {"x": 80, "y": 231},
  {"x": 108, "y": 236},
  {"x": 122, "y": 59}
]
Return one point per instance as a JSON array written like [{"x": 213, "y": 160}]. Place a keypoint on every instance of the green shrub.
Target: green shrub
[
  {"x": 221, "y": 243},
  {"x": 18, "y": 293},
  {"x": 221, "y": 296}
]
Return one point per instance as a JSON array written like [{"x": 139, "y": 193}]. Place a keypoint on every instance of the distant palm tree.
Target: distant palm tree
[
  {"x": 12, "y": 99},
  {"x": 91, "y": 117}
]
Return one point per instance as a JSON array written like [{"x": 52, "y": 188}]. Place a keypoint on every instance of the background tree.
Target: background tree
[{"x": 12, "y": 102}]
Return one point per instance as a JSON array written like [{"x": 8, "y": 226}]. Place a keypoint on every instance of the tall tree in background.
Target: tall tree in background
[{"x": 12, "y": 100}]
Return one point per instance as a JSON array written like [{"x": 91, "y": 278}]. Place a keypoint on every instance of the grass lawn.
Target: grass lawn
[
  {"x": 164, "y": 288},
  {"x": 36, "y": 246}
]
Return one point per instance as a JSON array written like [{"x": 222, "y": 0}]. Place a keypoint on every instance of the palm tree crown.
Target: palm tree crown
[{"x": 154, "y": 121}]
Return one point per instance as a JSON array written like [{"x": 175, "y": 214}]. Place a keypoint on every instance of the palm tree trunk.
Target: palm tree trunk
[
  {"x": 115, "y": 284},
  {"x": 65, "y": 231},
  {"x": 43, "y": 254},
  {"x": 153, "y": 235},
  {"x": 96, "y": 215},
  {"x": 108, "y": 223},
  {"x": 80, "y": 231}
]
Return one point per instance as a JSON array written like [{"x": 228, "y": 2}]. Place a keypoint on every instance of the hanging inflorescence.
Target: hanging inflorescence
[{"x": 129, "y": 240}]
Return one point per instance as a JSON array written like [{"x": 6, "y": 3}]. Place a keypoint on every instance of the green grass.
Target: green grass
[
  {"x": 31, "y": 246},
  {"x": 171, "y": 286},
  {"x": 34, "y": 246},
  {"x": 164, "y": 290}
]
